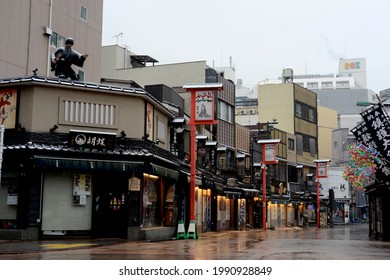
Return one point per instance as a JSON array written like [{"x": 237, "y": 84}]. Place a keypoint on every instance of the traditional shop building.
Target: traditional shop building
[
  {"x": 86, "y": 159},
  {"x": 379, "y": 210}
]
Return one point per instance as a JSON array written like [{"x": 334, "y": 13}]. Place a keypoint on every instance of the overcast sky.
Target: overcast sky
[{"x": 261, "y": 37}]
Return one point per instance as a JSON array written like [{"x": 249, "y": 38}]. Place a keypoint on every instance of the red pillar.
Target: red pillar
[
  {"x": 264, "y": 197},
  {"x": 193, "y": 156},
  {"x": 318, "y": 200}
]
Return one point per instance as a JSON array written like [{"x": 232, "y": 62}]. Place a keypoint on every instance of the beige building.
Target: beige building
[
  {"x": 295, "y": 109},
  {"x": 327, "y": 123},
  {"x": 119, "y": 63},
  {"x": 73, "y": 160},
  {"x": 295, "y": 112},
  {"x": 32, "y": 30}
]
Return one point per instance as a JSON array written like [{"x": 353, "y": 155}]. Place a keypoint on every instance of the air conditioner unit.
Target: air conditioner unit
[
  {"x": 243, "y": 112},
  {"x": 47, "y": 31},
  {"x": 252, "y": 112}
]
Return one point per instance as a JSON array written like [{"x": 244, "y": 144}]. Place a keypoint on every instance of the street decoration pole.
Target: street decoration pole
[
  {"x": 268, "y": 156},
  {"x": 321, "y": 172},
  {"x": 202, "y": 113}
]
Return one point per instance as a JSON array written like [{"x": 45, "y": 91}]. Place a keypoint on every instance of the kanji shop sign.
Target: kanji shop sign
[
  {"x": 90, "y": 139},
  {"x": 378, "y": 125},
  {"x": 204, "y": 101},
  {"x": 322, "y": 168},
  {"x": 269, "y": 150}
]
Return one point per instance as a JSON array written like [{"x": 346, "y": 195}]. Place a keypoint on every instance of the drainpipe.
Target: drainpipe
[{"x": 48, "y": 38}]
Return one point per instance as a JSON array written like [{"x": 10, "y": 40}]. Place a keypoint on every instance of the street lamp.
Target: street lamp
[
  {"x": 321, "y": 172},
  {"x": 268, "y": 157}
]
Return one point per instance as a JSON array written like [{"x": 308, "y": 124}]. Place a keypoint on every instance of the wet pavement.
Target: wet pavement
[{"x": 342, "y": 242}]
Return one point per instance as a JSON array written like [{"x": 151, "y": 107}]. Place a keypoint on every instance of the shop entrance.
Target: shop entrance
[{"x": 110, "y": 210}]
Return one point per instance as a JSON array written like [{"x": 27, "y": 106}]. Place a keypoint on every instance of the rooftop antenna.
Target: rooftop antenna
[{"x": 117, "y": 37}]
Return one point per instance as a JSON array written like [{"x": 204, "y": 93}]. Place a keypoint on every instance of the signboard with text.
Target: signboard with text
[
  {"x": 204, "y": 101},
  {"x": 322, "y": 170},
  {"x": 269, "y": 150},
  {"x": 89, "y": 139}
]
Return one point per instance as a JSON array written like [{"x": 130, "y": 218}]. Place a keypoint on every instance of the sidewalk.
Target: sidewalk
[{"x": 17, "y": 247}]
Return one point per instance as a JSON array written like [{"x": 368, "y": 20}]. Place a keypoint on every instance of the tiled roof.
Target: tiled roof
[
  {"x": 58, "y": 142},
  {"x": 66, "y": 82},
  {"x": 43, "y": 80}
]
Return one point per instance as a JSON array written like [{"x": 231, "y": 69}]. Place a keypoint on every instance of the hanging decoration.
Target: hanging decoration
[{"x": 363, "y": 163}]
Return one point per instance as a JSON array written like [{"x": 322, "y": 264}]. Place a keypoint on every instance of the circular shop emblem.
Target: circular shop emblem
[{"x": 80, "y": 139}]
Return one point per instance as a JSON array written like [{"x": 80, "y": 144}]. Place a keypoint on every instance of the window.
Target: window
[
  {"x": 305, "y": 112},
  {"x": 327, "y": 84},
  {"x": 298, "y": 110},
  {"x": 312, "y": 115},
  {"x": 57, "y": 40},
  {"x": 81, "y": 75},
  {"x": 88, "y": 114},
  {"x": 53, "y": 39},
  {"x": 342, "y": 84},
  {"x": 83, "y": 13},
  {"x": 313, "y": 147},
  {"x": 291, "y": 144},
  {"x": 312, "y": 85},
  {"x": 307, "y": 144},
  {"x": 299, "y": 144},
  {"x": 226, "y": 112},
  {"x": 161, "y": 131}
]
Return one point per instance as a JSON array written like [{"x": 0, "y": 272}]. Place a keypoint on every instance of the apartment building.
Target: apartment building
[{"x": 33, "y": 30}]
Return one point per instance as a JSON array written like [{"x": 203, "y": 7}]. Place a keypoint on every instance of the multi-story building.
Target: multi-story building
[
  {"x": 32, "y": 30},
  {"x": 217, "y": 143},
  {"x": 339, "y": 92},
  {"x": 295, "y": 109},
  {"x": 75, "y": 162}
]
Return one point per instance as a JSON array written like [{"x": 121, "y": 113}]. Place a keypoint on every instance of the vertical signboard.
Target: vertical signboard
[
  {"x": 204, "y": 101},
  {"x": 8, "y": 99},
  {"x": 149, "y": 120},
  {"x": 378, "y": 126},
  {"x": 322, "y": 170}
]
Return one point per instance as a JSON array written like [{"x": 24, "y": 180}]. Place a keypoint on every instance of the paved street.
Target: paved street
[{"x": 343, "y": 242}]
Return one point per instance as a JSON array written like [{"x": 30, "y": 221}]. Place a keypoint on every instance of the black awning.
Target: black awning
[
  {"x": 164, "y": 172},
  {"x": 86, "y": 164}
]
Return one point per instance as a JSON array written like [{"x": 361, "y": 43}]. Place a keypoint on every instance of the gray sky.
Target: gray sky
[{"x": 261, "y": 36}]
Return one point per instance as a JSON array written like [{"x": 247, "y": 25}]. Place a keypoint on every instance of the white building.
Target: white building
[{"x": 342, "y": 194}]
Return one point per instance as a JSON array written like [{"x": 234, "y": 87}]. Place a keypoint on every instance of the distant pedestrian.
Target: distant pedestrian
[{"x": 63, "y": 58}]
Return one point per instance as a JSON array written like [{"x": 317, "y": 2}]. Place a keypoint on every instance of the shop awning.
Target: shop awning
[
  {"x": 85, "y": 164},
  {"x": 230, "y": 194},
  {"x": 218, "y": 186},
  {"x": 164, "y": 172},
  {"x": 250, "y": 190}
]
